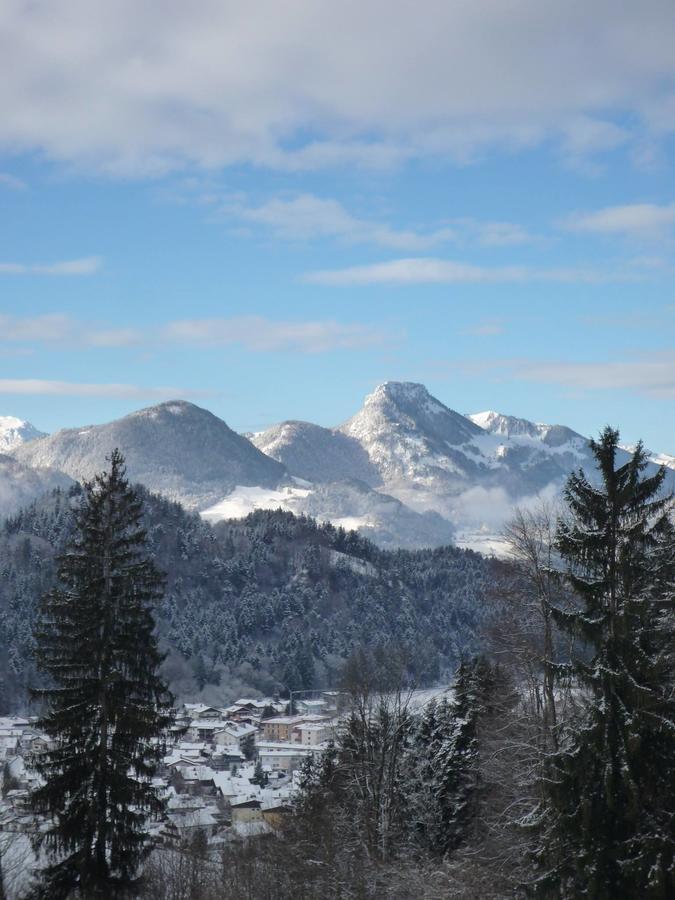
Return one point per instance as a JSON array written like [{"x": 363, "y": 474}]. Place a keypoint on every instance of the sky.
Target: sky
[{"x": 269, "y": 208}]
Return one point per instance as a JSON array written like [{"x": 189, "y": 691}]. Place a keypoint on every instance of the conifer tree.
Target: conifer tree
[
  {"x": 419, "y": 771},
  {"x": 611, "y": 785},
  {"x": 106, "y": 706},
  {"x": 260, "y": 776},
  {"x": 457, "y": 760}
]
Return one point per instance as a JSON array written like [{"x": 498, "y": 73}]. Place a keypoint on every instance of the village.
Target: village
[{"x": 229, "y": 773}]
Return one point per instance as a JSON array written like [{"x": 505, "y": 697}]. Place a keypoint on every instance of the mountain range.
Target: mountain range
[{"x": 406, "y": 470}]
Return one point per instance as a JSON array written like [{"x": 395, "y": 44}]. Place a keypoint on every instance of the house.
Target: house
[
  {"x": 233, "y": 735},
  {"x": 246, "y": 811},
  {"x": 10, "y": 739},
  {"x": 279, "y": 728},
  {"x": 223, "y": 758},
  {"x": 203, "y": 729},
  {"x": 275, "y": 813},
  {"x": 251, "y": 711},
  {"x": 283, "y": 759},
  {"x": 193, "y": 780},
  {"x": 202, "y": 711},
  {"x": 313, "y": 733}
]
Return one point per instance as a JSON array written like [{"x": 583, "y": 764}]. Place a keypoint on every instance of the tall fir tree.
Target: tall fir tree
[
  {"x": 106, "y": 705},
  {"x": 611, "y": 785},
  {"x": 457, "y": 760}
]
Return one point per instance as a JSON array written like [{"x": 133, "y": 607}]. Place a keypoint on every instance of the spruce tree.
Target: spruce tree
[
  {"x": 106, "y": 707},
  {"x": 260, "y": 776},
  {"x": 457, "y": 762},
  {"x": 419, "y": 771},
  {"x": 611, "y": 785}
]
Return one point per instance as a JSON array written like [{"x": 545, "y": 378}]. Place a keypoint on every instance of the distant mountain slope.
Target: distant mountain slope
[
  {"x": 14, "y": 432},
  {"x": 406, "y": 470},
  {"x": 317, "y": 454},
  {"x": 21, "y": 484},
  {"x": 511, "y": 427},
  {"x": 176, "y": 448},
  {"x": 472, "y": 470},
  {"x": 191, "y": 456},
  {"x": 417, "y": 449}
]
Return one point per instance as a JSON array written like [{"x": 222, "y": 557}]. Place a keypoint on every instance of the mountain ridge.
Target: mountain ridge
[
  {"x": 176, "y": 448},
  {"x": 405, "y": 470}
]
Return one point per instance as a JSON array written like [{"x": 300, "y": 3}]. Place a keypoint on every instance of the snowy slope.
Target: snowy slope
[{"x": 352, "y": 505}]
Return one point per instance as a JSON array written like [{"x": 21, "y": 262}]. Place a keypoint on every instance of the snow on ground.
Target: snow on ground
[
  {"x": 18, "y": 863},
  {"x": 245, "y": 499},
  {"x": 353, "y": 523},
  {"x": 422, "y": 698}
]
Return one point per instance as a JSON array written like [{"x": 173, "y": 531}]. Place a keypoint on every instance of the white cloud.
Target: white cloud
[
  {"x": 421, "y": 270},
  {"x": 259, "y": 334},
  {"x": 255, "y": 333},
  {"x": 87, "y": 265},
  {"x": 308, "y": 217},
  {"x": 629, "y": 219},
  {"x": 57, "y": 328},
  {"x": 74, "y": 389},
  {"x": 141, "y": 88}
]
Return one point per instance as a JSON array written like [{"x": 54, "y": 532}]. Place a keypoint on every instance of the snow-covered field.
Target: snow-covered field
[{"x": 246, "y": 499}]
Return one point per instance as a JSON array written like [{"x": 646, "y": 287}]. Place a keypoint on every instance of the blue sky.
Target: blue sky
[{"x": 269, "y": 214}]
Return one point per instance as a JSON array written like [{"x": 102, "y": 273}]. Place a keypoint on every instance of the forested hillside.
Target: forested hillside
[{"x": 270, "y": 602}]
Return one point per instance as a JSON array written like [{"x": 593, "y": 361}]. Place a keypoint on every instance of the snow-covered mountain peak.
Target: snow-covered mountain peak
[
  {"x": 404, "y": 392},
  {"x": 511, "y": 427},
  {"x": 14, "y": 432},
  {"x": 409, "y": 435},
  {"x": 506, "y": 426},
  {"x": 406, "y": 408}
]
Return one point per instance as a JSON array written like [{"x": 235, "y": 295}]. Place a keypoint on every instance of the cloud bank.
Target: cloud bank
[
  {"x": 255, "y": 333},
  {"x": 427, "y": 270},
  {"x": 143, "y": 88},
  {"x": 635, "y": 219},
  {"x": 46, "y": 388}
]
